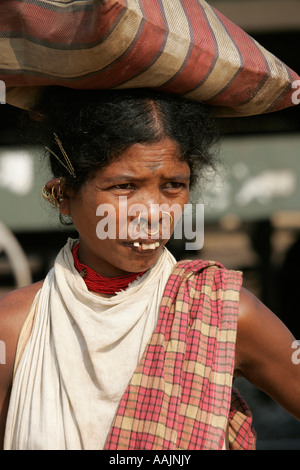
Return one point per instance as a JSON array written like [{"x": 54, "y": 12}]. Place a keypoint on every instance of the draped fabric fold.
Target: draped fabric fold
[
  {"x": 80, "y": 355},
  {"x": 181, "y": 395}
]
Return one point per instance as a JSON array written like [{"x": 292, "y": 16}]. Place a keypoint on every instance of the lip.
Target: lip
[{"x": 139, "y": 246}]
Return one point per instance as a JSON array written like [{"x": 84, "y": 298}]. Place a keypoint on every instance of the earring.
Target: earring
[
  {"x": 55, "y": 196},
  {"x": 171, "y": 218},
  {"x": 139, "y": 222}
]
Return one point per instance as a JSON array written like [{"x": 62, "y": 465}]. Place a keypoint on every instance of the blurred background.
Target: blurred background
[{"x": 252, "y": 204}]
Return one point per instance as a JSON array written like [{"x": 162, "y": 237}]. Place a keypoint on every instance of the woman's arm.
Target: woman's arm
[
  {"x": 14, "y": 308},
  {"x": 264, "y": 353}
]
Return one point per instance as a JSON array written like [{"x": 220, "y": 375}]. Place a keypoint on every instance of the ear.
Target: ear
[
  {"x": 55, "y": 192},
  {"x": 65, "y": 201},
  {"x": 64, "y": 206}
]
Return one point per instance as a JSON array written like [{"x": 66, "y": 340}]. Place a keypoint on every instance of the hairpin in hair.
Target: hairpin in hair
[{"x": 68, "y": 166}]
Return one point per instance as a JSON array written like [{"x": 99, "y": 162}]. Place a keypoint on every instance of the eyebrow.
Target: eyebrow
[{"x": 131, "y": 177}]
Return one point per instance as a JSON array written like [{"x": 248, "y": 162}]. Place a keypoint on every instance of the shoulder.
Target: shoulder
[
  {"x": 15, "y": 305},
  {"x": 259, "y": 330},
  {"x": 258, "y": 320},
  {"x": 214, "y": 271},
  {"x": 14, "y": 308},
  {"x": 264, "y": 353}
]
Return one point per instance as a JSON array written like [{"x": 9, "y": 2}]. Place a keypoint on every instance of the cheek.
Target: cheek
[
  {"x": 107, "y": 222},
  {"x": 185, "y": 197},
  {"x": 84, "y": 217}
]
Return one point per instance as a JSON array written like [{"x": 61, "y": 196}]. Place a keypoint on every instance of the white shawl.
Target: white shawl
[{"x": 79, "y": 358}]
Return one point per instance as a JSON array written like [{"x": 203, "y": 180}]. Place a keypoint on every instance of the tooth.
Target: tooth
[
  {"x": 156, "y": 244},
  {"x": 145, "y": 246},
  {"x": 136, "y": 244}
]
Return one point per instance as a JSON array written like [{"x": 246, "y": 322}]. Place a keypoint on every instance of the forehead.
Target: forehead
[{"x": 164, "y": 154}]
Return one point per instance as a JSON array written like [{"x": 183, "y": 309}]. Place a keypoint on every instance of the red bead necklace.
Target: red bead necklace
[{"x": 97, "y": 283}]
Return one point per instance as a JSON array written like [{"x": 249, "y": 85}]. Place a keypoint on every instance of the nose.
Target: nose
[
  {"x": 150, "y": 224},
  {"x": 150, "y": 206},
  {"x": 151, "y": 216},
  {"x": 150, "y": 213},
  {"x": 147, "y": 206},
  {"x": 162, "y": 224}
]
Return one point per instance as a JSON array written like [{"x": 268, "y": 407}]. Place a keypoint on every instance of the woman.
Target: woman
[{"x": 119, "y": 347}]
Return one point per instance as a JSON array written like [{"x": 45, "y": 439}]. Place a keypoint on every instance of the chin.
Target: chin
[{"x": 142, "y": 261}]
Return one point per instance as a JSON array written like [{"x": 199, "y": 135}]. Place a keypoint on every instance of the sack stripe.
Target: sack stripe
[
  {"x": 77, "y": 29},
  {"x": 72, "y": 5},
  {"x": 268, "y": 65},
  {"x": 250, "y": 57},
  {"x": 131, "y": 62},
  {"x": 211, "y": 86},
  {"x": 152, "y": 70},
  {"x": 111, "y": 51},
  {"x": 177, "y": 46},
  {"x": 190, "y": 75},
  {"x": 275, "y": 91}
]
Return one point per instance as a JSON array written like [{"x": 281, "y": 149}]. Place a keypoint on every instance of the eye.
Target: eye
[
  {"x": 124, "y": 186},
  {"x": 173, "y": 185}
]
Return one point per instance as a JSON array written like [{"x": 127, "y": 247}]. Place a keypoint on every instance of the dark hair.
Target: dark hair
[{"x": 96, "y": 126}]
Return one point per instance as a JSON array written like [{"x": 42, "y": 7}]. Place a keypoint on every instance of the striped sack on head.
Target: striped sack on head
[{"x": 185, "y": 47}]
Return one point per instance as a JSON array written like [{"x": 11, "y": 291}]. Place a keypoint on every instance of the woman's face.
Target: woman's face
[{"x": 149, "y": 175}]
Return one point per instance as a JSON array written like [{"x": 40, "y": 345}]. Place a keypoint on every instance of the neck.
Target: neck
[{"x": 100, "y": 284}]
